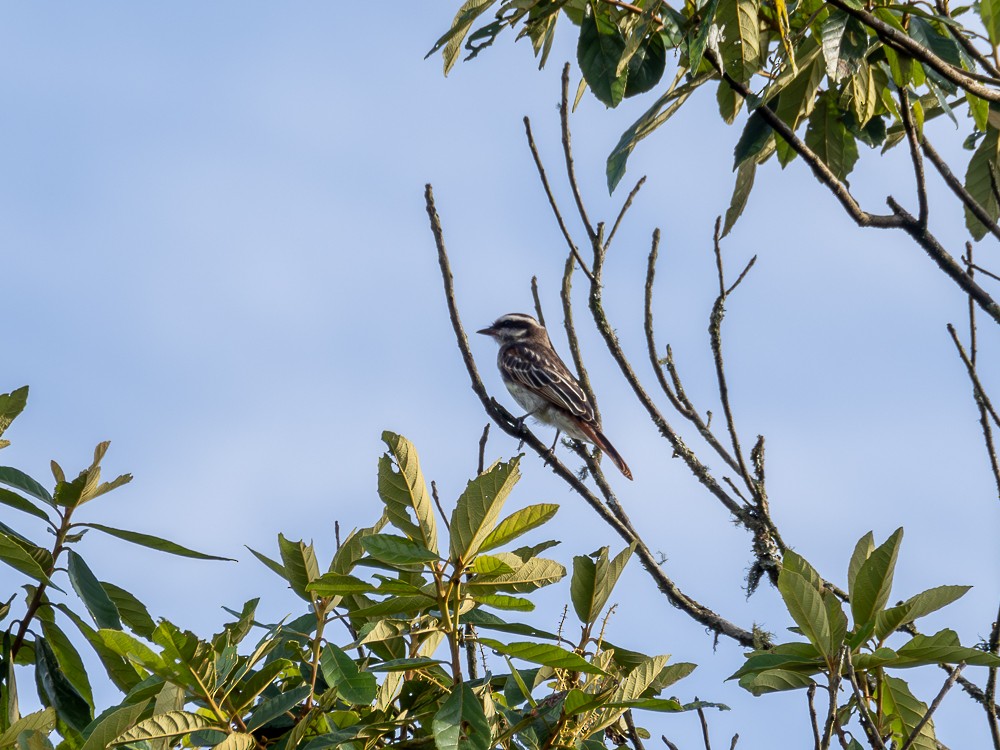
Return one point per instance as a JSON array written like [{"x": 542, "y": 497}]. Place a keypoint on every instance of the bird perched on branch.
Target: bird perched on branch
[{"x": 542, "y": 384}]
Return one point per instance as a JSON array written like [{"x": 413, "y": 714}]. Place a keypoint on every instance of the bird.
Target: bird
[{"x": 541, "y": 383}]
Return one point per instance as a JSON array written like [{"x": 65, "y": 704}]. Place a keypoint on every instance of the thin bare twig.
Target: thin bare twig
[
  {"x": 538, "y": 303},
  {"x": 732, "y": 743},
  {"x": 814, "y": 720},
  {"x": 704, "y": 726},
  {"x": 677, "y": 399},
  {"x": 867, "y": 722},
  {"x": 482, "y": 449},
  {"x": 956, "y": 186},
  {"x": 552, "y": 200},
  {"x": 625, "y": 207},
  {"x": 515, "y": 428},
  {"x": 670, "y": 745},
  {"x": 991, "y": 684},
  {"x": 437, "y": 502},
  {"x": 934, "y": 707},
  {"x": 973, "y": 376},
  {"x": 568, "y": 153},
  {"x": 918, "y": 163},
  {"x": 632, "y": 731}
]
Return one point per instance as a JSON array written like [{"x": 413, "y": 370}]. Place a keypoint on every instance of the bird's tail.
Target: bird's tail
[{"x": 605, "y": 445}]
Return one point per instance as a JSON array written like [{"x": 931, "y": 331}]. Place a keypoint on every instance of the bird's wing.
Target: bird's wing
[{"x": 545, "y": 374}]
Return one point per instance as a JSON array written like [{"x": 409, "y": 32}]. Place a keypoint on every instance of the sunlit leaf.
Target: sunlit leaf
[
  {"x": 170, "y": 724},
  {"x": 460, "y": 723},
  {"x": 153, "y": 542},
  {"x": 548, "y": 655},
  {"x": 405, "y": 491}
]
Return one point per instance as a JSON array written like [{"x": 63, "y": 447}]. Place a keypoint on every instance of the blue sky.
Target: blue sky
[{"x": 216, "y": 256}]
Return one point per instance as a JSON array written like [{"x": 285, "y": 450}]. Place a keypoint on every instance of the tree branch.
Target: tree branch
[{"x": 956, "y": 186}]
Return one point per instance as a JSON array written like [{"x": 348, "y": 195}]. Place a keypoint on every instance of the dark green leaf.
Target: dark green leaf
[
  {"x": 13, "y": 500},
  {"x": 844, "y": 44},
  {"x": 741, "y": 193},
  {"x": 698, "y": 35},
  {"x": 600, "y": 48},
  {"x": 20, "y": 481},
  {"x": 542, "y": 653},
  {"x": 354, "y": 686},
  {"x": 829, "y": 138},
  {"x": 741, "y": 45},
  {"x": 775, "y": 680},
  {"x": 153, "y": 542},
  {"x": 862, "y": 551},
  {"x": 132, "y": 612},
  {"x": 645, "y": 68},
  {"x": 336, "y": 584},
  {"x": 460, "y": 723},
  {"x": 271, "y": 709},
  {"x": 299, "y": 560},
  {"x": 14, "y": 555},
  {"x": 68, "y": 659},
  {"x": 978, "y": 181},
  {"x": 482, "y": 619},
  {"x": 756, "y": 134},
  {"x": 805, "y": 604},
  {"x": 730, "y": 102},
  {"x": 94, "y": 597},
  {"x": 70, "y": 706}
]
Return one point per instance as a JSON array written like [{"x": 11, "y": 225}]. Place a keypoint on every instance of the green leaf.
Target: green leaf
[
  {"x": 14, "y": 555},
  {"x": 662, "y": 705},
  {"x": 775, "y": 680},
  {"x": 661, "y": 111},
  {"x": 698, "y": 36},
  {"x": 797, "y": 100},
  {"x": 941, "y": 648},
  {"x": 153, "y": 542},
  {"x": 729, "y": 101},
  {"x": 517, "y": 523},
  {"x": 755, "y": 136},
  {"x": 844, "y": 44},
  {"x": 133, "y": 650},
  {"x": 741, "y": 192},
  {"x": 504, "y": 601},
  {"x": 112, "y": 724},
  {"x": 862, "y": 551},
  {"x": 989, "y": 12},
  {"x": 272, "y": 708},
  {"x": 94, "y": 597},
  {"x": 238, "y": 741},
  {"x": 535, "y": 573},
  {"x": 979, "y": 109},
  {"x": 543, "y": 653},
  {"x": 404, "y": 492},
  {"x": 905, "y": 712},
  {"x": 68, "y": 659},
  {"x": 593, "y": 581},
  {"x": 478, "y": 508},
  {"x": 490, "y": 565},
  {"x": 20, "y": 481},
  {"x": 829, "y": 138},
  {"x": 272, "y": 565},
  {"x": 70, "y": 706},
  {"x": 403, "y": 665},
  {"x": 299, "y": 560},
  {"x": 354, "y": 686},
  {"x": 916, "y": 607},
  {"x": 740, "y": 45},
  {"x": 978, "y": 182},
  {"x": 120, "y": 671},
  {"x": 397, "y": 550},
  {"x": 941, "y": 44},
  {"x": 451, "y": 41},
  {"x": 600, "y": 47},
  {"x": 336, "y": 584},
  {"x": 132, "y": 612},
  {"x": 40, "y": 721},
  {"x": 873, "y": 583},
  {"x": 646, "y": 66},
  {"x": 13, "y": 500},
  {"x": 460, "y": 723},
  {"x": 170, "y": 724},
  {"x": 805, "y": 604},
  {"x": 11, "y": 404},
  {"x": 489, "y": 621}
]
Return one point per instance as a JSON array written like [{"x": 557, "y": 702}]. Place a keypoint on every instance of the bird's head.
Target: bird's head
[{"x": 515, "y": 327}]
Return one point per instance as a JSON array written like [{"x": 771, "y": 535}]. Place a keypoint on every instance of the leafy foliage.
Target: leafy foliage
[
  {"x": 414, "y": 618},
  {"x": 830, "y": 66}
]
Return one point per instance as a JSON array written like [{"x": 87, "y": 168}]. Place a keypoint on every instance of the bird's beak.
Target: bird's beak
[{"x": 488, "y": 331}]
